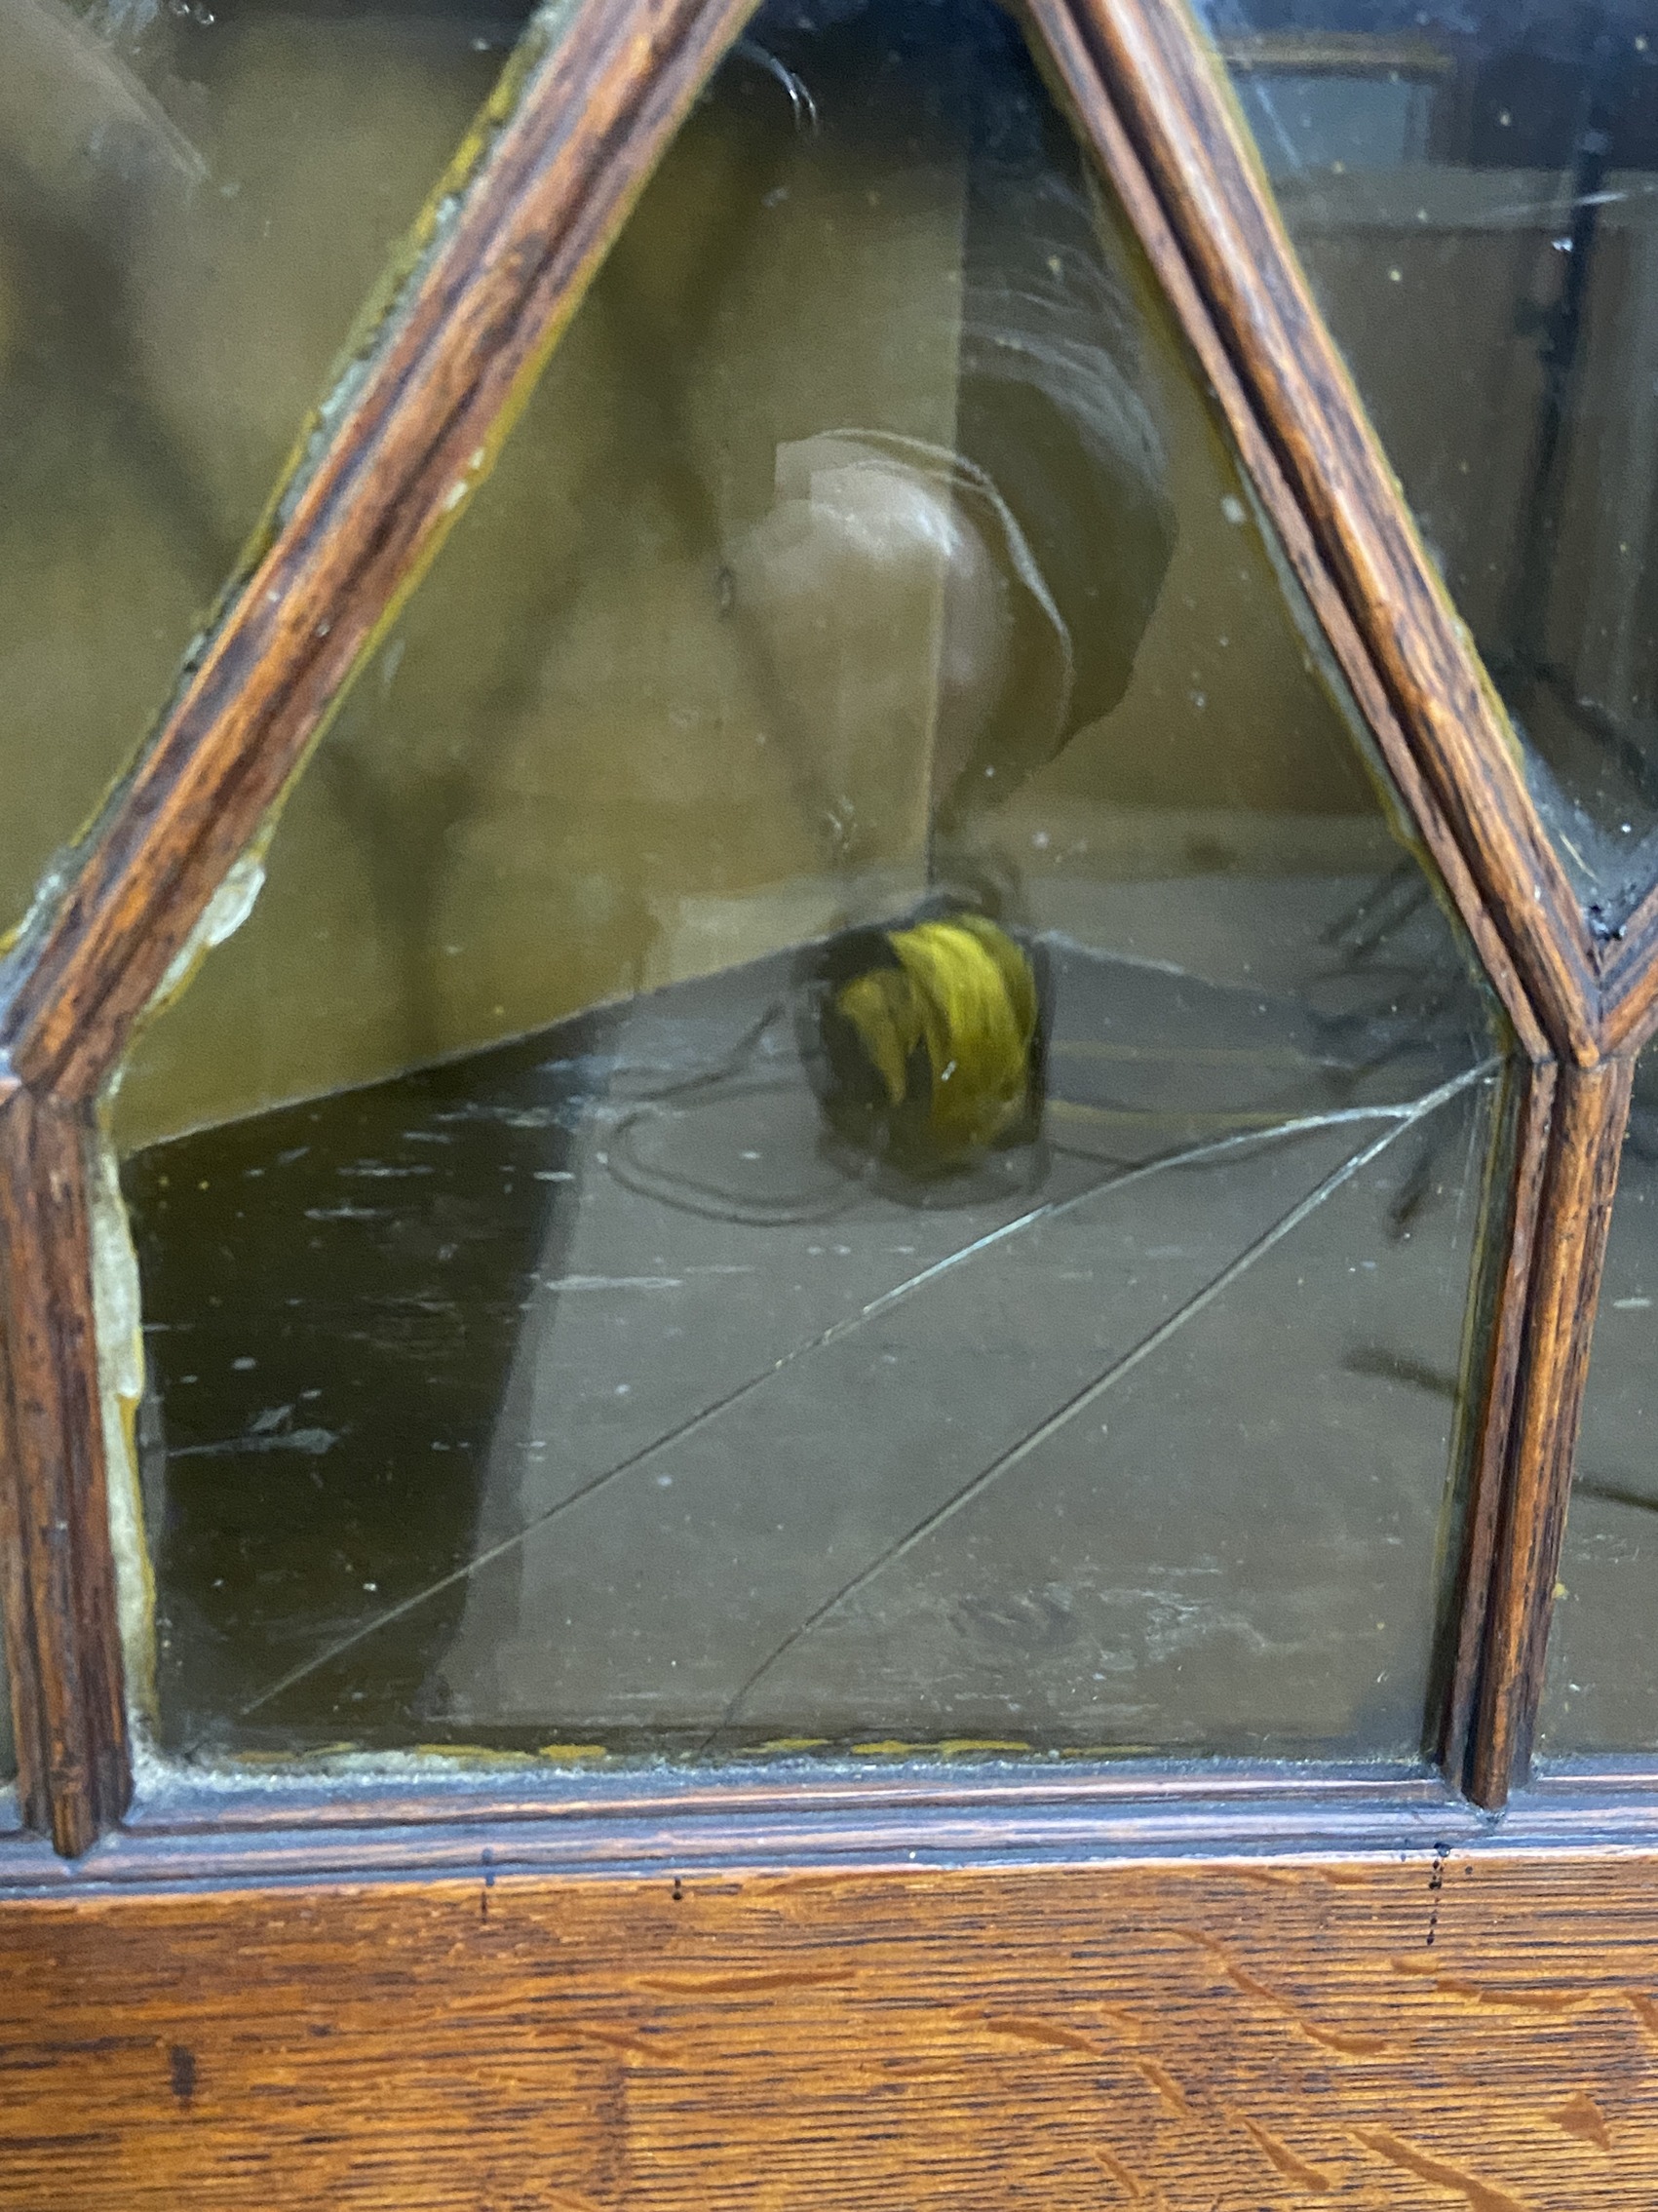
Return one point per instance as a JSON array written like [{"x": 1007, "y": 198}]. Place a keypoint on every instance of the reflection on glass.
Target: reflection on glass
[
  {"x": 1600, "y": 1691},
  {"x": 1474, "y": 191},
  {"x": 166, "y": 319},
  {"x": 844, "y": 1120}
]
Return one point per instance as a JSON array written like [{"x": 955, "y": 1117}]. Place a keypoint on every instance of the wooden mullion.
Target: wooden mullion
[
  {"x": 63, "y": 1643},
  {"x": 1512, "y": 1234},
  {"x": 29, "y": 1732},
  {"x": 549, "y": 196},
  {"x": 1157, "y": 71},
  {"x": 1586, "y": 1134}
]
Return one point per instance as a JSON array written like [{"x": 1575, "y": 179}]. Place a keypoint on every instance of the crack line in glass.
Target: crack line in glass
[
  {"x": 1407, "y": 1118},
  {"x": 1402, "y": 1116}
]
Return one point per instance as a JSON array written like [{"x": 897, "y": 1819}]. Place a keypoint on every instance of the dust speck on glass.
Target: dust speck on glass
[
  {"x": 167, "y": 169},
  {"x": 1473, "y": 187},
  {"x": 1601, "y": 1692},
  {"x": 848, "y": 1122}
]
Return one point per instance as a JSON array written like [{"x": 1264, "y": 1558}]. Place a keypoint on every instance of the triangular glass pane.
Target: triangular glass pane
[
  {"x": 849, "y": 1115},
  {"x": 1474, "y": 193},
  {"x": 195, "y": 198}
]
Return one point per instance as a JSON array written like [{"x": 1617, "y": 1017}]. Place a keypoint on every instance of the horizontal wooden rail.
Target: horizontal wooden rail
[{"x": 1441, "y": 2027}]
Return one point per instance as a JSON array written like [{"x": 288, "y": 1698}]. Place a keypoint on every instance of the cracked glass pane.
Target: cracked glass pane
[
  {"x": 1600, "y": 1689},
  {"x": 166, "y": 319},
  {"x": 849, "y": 1119},
  {"x": 1473, "y": 188}
]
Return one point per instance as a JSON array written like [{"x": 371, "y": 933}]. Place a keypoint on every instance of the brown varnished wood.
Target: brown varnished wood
[
  {"x": 550, "y": 194},
  {"x": 1585, "y": 1134},
  {"x": 1457, "y": 2028},
  {"x": 56, "y": 1574},
  {"x": 1628, "y": 980},
  {"x": 1508, "y": 1248},
  {"x": 1094, "y": 114},
  {"x": 1152, "y": 62}
]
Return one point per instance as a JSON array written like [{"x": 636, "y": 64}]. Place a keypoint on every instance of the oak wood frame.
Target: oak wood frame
[
  {"x": 493, "y": 285},
  {"x": 1463, "y": 2025}
]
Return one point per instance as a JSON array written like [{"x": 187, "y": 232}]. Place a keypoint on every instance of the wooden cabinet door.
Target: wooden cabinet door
[{"x": 805, "y": 1434}]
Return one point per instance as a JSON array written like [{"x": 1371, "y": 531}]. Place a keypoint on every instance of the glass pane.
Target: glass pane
[
  {"x": 846, "y": 1118},
  {"x": 1600, "y": 1691},
  {"x": 1474, "y": 191},
  {"x": 166, "y": 319}
]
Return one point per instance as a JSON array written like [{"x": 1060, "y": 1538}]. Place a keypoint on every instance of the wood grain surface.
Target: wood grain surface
[
  {"x": 1170, "y": 95},
  {"x": 457, "y": 359},
  {"x": 56, "y": 1573},
  {"x": 1446, "y": 2029},
  {"x": 1585, "y": 1134}
]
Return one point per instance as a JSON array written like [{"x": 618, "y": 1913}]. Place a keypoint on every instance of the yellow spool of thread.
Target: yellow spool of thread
[{"x": 931, "y": 1037}]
